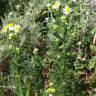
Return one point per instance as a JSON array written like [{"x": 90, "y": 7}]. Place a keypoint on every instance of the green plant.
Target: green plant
[{"x": 51, "y": 50}]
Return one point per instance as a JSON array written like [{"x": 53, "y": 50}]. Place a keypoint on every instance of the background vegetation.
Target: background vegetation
[{"x": 47, "y": 48}]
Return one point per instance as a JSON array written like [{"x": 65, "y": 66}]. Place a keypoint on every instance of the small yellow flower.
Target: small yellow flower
[
  {"x": 56, "y": 5},
  {"x": 35, "y": 50},
  {"x": 51, "y": 84},
  {"x": 17, "y": 28},
  {"x": 9, "y": 25},
  {"x": 63, "y": 18},
  {"x": 17, "y": 49},
  {"x": 48, "y": 6},
  {"x": 67, "y": 10},
  {"x": 6, "y": 27},
  {"x": 51, "y": 90}
]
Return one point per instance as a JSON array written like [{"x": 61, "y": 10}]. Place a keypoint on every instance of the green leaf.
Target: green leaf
[{"x": 28, "y": 88}]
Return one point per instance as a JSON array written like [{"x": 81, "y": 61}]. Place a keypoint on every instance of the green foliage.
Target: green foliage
[{"x": 51, "y": 49}]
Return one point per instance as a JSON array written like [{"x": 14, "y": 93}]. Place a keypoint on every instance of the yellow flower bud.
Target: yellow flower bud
[{"x": 51, "y": 90}]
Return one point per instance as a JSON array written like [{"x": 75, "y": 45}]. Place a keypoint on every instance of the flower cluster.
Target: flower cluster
[
  {"x": 66, "y": 10},
  {"x": 11, "y": 47},
  {"x": 51, "y": 90},
  {"x": 11, "y": 27}
]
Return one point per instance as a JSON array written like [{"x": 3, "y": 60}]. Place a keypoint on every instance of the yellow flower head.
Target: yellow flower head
[
  {"x": 63, "y": 18},
  {"x": 6, "y": 27},
  {"x": 56, "y": 5},
  {"x": 51, "y": 90},
  {"x": 67, "y": 10},
  {"x": 9, "y": 25},
  {"x": 17, "y": 28},
  {"x": 51, "y": 84}
]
